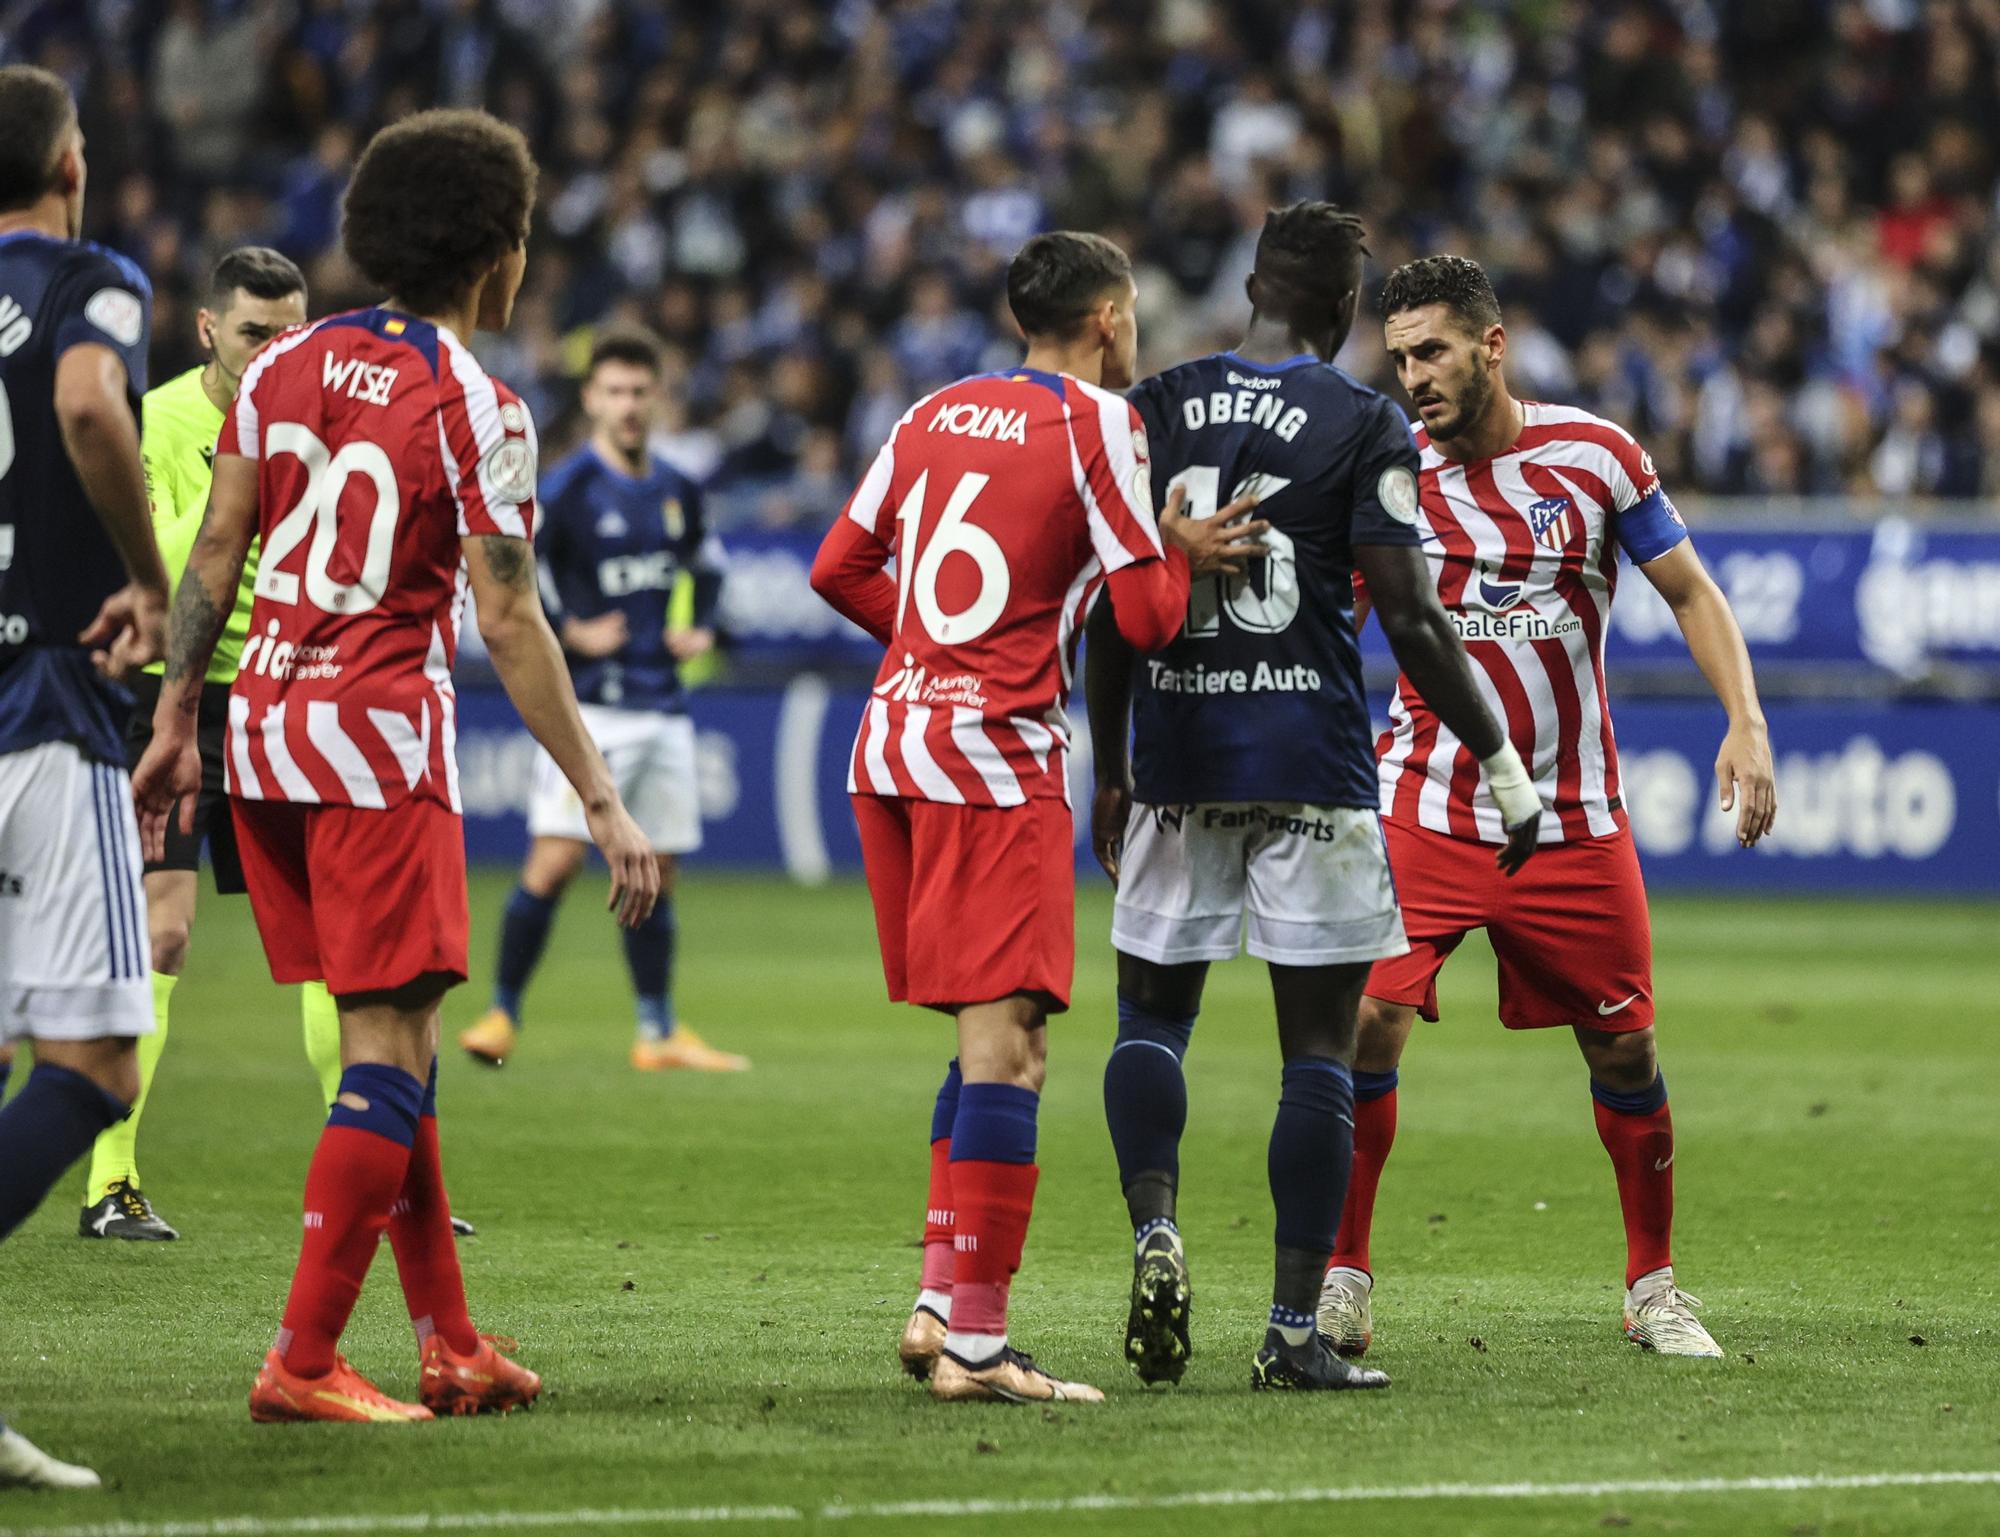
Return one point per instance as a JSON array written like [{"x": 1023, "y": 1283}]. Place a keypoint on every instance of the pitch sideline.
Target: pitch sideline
[{"x": 528, "y": 1520}]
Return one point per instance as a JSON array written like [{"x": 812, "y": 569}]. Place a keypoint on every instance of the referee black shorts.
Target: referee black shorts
[{"x": 212, "y": 820}]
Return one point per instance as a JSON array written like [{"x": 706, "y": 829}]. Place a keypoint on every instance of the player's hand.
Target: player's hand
[
  {"x": 1218, "y": 544},
  {"x": 1522, "y": 840},
  {"x": 168, "y": 777},
  {"x": 605, "y": 635},
  {"x": 1747, "y": 782},
  {"x": 129, "y": 632},
  {"x": 635, "y": 873},
  {"x": 686, "y": 645},
  {"x": 1110, "y": 809}
]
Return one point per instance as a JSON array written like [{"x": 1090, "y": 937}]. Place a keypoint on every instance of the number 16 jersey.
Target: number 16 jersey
[
  {"x": 380, "y": 443},
  {"x": 1260, "y": 697},
  {"x": 1007, "y": 500}
]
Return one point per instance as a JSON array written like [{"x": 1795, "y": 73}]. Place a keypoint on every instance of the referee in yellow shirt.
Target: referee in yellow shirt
[{"x": 253, "y": 294}]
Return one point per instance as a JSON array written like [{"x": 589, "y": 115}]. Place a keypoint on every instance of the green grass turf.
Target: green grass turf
[{"x": 711, "y": 1271}]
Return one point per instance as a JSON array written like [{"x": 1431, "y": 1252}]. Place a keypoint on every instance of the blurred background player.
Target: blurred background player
[
  {"x": 1259, "y": 798},
  {"x": 377, "y": 434},
  {"x": 83, "y": 596},
  {"x": 1524, "y": 508},
  {"x": 253, "y": 294},
  {"x": 620, "y": 527},
  {"x": 1035, "y": 478}
]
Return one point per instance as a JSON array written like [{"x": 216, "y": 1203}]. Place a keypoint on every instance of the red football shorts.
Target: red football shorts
[
  {"x": 972, "y": 903},
  {"x": 1571, "y": 931},
  {"x": 366, "y": 900}
]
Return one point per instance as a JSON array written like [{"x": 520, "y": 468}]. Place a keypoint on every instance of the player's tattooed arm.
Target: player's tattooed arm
[
  {"x": 207, "y": 591},
  {"x": 510, "y": 562}
]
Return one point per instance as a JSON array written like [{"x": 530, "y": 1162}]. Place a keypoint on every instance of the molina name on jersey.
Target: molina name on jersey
[
  {"x": 616, "y": 542},
  {"x": 381, "y": 443},
  {"x": 1524, "y": 550},
  {"x": 1260, "y": 696},
  {"x": 1007, "y": 500},
  {"x": 57, "y": 564}
]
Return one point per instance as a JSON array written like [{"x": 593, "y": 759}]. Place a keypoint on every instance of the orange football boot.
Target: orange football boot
[
  {"x": 343, "y": 1395},
  {"x": 485, "y": 1382},
  {"x": 491, "y": 1040},
  {"x": 685, "y": 1050}
]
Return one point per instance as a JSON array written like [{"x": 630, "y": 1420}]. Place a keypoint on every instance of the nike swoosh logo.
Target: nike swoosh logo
[
  {"x": 1661, "y": 1165},
  {"x": 1613, "y": 1008}
]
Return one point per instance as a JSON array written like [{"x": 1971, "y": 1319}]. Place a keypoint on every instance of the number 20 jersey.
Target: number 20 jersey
[
  {"x": 1260, "y": 698},
  {"x": 380, "y": 443}
]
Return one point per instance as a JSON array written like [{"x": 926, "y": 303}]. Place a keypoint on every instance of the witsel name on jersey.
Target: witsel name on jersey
[{"x": 368, "y": 383}]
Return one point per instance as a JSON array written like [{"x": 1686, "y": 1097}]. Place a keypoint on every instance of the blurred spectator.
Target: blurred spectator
[{"x": 1765, "y": 236}]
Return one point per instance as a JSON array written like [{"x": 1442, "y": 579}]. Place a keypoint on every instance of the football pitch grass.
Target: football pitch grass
[{"x": 711, "y": 1272}]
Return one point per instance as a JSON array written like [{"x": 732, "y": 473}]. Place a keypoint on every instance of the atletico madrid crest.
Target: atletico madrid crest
[{"x": 1549, "y": 522}]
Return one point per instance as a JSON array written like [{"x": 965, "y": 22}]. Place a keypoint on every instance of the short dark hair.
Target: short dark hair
[
  {"x": 438, "y": 199},
  {"x": 256, "y": 270},
  {"x": 1312, "y": 251},
  {"x": 36, "y": 116},
  {"x": 1459, "y": 283},
  {"x": 625, "y": 344},
  {"x": 1056, "y": 279}
]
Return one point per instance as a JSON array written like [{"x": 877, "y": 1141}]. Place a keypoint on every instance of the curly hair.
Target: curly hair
[
  {"x": 438, "y": 199},
  {"x": 1058, "y": 278},
  {"x": 1312, "y": 250},
  {"x": 1459, "y": 283}
]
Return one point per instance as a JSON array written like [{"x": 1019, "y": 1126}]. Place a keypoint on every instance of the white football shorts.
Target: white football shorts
[
  {"x": 652, "y": 760},
  {"x": 75, "y": 959},
  {"x": 1313, "y": 883}
]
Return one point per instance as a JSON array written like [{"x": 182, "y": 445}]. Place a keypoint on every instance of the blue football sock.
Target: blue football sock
[
  {"x": 395, "y": 1101},
  {"x": 649, "y": 955},
  {"x": 43, "y": 1130},
  {"x": 524, "y": 934},
  {"x": 1312, "y": 1152},
  {"x": 945, "y": 1111},
  {"x": 995, "y": 1123},
  {"x": 1145, "y": 1105}
]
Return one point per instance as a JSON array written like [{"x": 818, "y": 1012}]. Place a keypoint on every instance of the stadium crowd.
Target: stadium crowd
[{"x": 1767, "y": 237}]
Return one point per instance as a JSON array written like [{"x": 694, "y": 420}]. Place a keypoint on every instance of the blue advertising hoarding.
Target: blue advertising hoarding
[
  {"x": 1872, "y": 797},
  {"x": 1895, "y": 598}
]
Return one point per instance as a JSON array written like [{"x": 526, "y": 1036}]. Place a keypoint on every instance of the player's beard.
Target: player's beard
[{"x": 1472, "y": 398}]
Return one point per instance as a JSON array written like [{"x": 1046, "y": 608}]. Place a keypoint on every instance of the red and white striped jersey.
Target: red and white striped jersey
[
  {"x": 1006, "y": 500},
  {"x": 380, "y": 443},
  {"x": 1524, "y": 550}
]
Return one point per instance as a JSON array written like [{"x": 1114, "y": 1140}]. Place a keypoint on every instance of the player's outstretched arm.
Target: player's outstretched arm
[
  {"x": 1108, "y": 664},
  {"x": 171, "y": 767},
  {"x": 530, "y": 664},
  {"x": 1432, "y": 657},
  {"x": 1744, "y": 776},
  {"x": 102, "y": 439}
]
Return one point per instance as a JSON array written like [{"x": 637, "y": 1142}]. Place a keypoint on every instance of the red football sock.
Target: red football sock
[
  {"x": 994, "y": 1201},
  {"x": 350, "y": 1186},
  {"x": 1642, "y": 1155},
  {"x": 1374, "y": 1135},
  {"x": 426, "y": 1251},
  {"x": 938, "y": 1221}
]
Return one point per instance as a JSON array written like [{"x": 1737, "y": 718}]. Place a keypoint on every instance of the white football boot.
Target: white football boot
[
  {"x": 25, "y": 1465},
  {"x": 1660, "y": 1316},
  {"x": 1344, "y": 1317}
]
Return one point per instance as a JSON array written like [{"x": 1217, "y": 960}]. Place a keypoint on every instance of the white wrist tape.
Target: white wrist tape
[{"x": 1513, "y": 791}]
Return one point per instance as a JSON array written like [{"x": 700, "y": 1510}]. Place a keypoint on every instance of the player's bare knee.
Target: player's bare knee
[
  {"x": 1172, "y": 992},
  {"x": 170, "y": 938},
  {"x": 1383, "y": 1031},
  {"x": 1622, "y": 1060}
]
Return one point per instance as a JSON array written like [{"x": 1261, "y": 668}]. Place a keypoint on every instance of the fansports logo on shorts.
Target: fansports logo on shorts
[{"x": 1282, "y": 819}]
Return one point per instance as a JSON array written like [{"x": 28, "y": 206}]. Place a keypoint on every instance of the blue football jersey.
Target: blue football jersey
[
  {"x": 57, "y": 564},
  {"x": 1260, "y": 696},
  {"x": 609, "y": 541}
]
